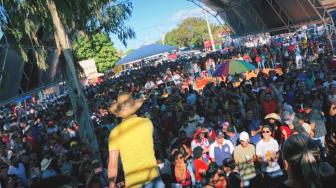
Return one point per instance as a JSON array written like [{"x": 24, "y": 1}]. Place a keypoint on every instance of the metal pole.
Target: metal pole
[
  {"x": 162, "y": 34},
  {"x": 210, "y": 33}
]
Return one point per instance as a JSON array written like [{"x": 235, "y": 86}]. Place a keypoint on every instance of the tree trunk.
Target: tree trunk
[{"x": 77, "y": 98}]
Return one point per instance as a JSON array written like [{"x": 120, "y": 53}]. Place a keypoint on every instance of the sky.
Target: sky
[{"x": 150, "y": 18}]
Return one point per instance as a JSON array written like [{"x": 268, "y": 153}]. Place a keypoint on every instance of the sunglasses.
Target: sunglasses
[
  {"x": 265, "y": 131},
  {"x": 180, "y": 157}
]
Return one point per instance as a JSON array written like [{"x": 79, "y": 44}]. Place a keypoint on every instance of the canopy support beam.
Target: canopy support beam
[
  {"x": 327, "y": 20},
  {"x": 255, "y": 16},
  {"x": 278, "y": 10}
]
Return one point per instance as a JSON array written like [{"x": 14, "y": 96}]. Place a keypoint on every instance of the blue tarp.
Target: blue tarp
[
  {"x": 27, "y": 97},
  {"x": 145, "y": 51}
]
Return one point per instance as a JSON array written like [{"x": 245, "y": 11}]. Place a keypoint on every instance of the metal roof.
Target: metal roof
[
  {"x": 145, "y": 51},
  {"x": 275, "y": 16}
]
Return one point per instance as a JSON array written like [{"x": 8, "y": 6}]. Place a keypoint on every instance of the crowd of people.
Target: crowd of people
[{"x": 274, "y": 130}]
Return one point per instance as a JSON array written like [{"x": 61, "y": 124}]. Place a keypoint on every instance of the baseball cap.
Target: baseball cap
[
  {"x": 244, "y": 136},
  {"x": 219, "y": 133},
  {"x": 201, "y": 120},
  {"x": 231, "y": 129}
]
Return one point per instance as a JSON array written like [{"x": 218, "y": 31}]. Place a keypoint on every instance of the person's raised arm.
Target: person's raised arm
[
  {"x": 113, "y": 168},
  {"x": 332, "y": 110}
]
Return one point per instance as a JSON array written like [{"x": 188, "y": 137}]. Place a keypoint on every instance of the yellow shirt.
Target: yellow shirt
[{"x": 133, "y": 137}]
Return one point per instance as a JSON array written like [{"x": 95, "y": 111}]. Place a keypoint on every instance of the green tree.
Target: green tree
[
  {"x": 100, "y": 48},
  {"x": 192, "y": 32},
  {"x": 36, "y": 25}
]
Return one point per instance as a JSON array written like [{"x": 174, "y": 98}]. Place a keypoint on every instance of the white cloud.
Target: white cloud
[{"x": 197, "y": 12}]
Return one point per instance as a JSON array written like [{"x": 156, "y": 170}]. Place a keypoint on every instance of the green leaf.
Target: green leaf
[{"x": 100, "y": 48}]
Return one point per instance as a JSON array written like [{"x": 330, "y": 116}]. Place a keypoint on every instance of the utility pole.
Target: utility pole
[
  {"x": 161, "y": 33},
  {"x": 210, "y": 33}
]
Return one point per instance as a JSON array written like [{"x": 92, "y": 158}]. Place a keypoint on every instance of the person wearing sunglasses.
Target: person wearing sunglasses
[
  {"x": 182, "y": 174},
  {"x": 267, "y": 151}
]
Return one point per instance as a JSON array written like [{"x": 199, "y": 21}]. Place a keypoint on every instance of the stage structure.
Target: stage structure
[
  {"x": 19, "y": 78},
  {"x": 246, "y": 17}
]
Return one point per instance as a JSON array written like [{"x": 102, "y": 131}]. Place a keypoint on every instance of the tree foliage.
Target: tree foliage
[
  {"x": 99, "y": 47},
  {"x": 29, "y": 22},
  {"x": 191, "y": 33}
]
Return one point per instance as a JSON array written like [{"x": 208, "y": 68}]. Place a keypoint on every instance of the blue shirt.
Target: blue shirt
[
  {"x": 191, "y": 99},
  {"x": 48, "y": 173},
  {"x": 234, "y": 139},
  {"x": 255, "y": 139},
  {"x": 20, "y": 171},
  {"x": 221, "y": 152},
  {"x": 254, "y": 125}
]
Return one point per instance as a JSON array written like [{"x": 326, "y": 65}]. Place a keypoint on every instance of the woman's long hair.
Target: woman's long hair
[{"x": 302, "y": 155}]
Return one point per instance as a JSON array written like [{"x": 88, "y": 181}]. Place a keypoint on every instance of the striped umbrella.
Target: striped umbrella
[{"x": 232, "y": 67}]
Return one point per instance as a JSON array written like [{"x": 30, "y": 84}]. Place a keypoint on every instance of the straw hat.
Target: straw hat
[
  {"x": 273, "y": 116},
  {"x": 45, "y": 164},
  {"x": 125, "y": 105},
  {"x": 165, "y": 95}
]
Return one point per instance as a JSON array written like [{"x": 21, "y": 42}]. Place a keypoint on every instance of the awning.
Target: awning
[{"x": 145, "y": 51}]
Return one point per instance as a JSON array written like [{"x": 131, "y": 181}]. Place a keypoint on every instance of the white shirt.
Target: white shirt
[
  {"x": 327, "y": 84},
  {"x": 159, "y": 82},
  {"x": 215, "y": 144},
  {"x": 264, "y": 148},
  {"x": 149, "y": 85},
  {"x": 307, "y": 128},
  {"x": 176, "y": 79},
  {"x": 204, "y": 144}
]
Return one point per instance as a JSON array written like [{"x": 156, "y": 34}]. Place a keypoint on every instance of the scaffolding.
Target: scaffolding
[
  {"x": 247, "y": 17},
  {"x": 19, "y": 78}
]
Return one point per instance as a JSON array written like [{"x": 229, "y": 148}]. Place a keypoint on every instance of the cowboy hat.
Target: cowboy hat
[
  {"x": 165, "y": 94},
  {"x": 273, "y": 116},
  {"x": 198, "y": 132},
  {"x": 45, "y": 164},
  {"x": 125, "y": 105}
]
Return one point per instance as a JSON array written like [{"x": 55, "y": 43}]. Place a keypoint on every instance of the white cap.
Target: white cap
[
  {"x": 243, "y": 136},
  {"x": 201, "y": 120}
]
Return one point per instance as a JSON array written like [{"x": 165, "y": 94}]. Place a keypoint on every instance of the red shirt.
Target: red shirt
[
  {"x": 199, "y": 165},
  {"x": 258, "y": 59},
  {"x": 287, "y": 130},
  {"x": 187, "y": 181},
  {"x": 269, "y": 106},
  {"x": 291, "y": 49}
]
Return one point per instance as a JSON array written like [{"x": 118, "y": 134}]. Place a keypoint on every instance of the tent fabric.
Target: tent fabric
[
  {"x": 145, "y": 51},
  {"x": 257, "y": 16}
]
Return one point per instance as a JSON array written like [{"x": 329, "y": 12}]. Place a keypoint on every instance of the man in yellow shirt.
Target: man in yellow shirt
[{"x": 132, "y": 139}]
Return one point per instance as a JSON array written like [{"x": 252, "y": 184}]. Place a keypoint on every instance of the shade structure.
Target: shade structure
[
  {"x": 145, "y": 51},
  {"x": 232, "y": 67},
  {"x": 275, "y": 16}
]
